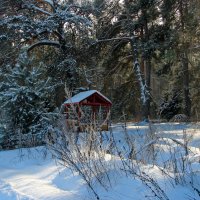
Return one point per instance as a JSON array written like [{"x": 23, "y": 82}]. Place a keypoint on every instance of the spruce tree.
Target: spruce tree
[{"x": 26, "y": 96}]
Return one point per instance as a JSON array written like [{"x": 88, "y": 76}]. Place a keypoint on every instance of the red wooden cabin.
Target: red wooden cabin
[{"x": 88, "y": 108}]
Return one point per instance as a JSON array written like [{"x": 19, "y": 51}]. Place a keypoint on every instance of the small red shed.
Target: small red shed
[{"x": 86, "y": 108}]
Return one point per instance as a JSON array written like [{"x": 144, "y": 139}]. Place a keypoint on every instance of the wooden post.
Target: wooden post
[
  {"x": 79, "y": 117},
  {"x": 93, "y": 113},
  {"x": 66, "y": 110}
]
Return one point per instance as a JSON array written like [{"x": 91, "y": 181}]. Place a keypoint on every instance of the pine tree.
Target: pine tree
[
  {"x": 26, "y": 95},
  {"x": 181, "y": 19}
]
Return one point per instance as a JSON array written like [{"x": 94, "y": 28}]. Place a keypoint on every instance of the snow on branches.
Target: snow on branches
[
  {"x": 44, "y": 20},
  {"x": 25, "y": 96}
]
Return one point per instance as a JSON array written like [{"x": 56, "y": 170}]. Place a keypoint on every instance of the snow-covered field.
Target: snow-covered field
[{"x": 32, "y": 174}]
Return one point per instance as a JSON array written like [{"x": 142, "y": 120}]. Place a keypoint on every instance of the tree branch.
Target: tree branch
[
  {"x": 32, "y": 6},
  {"x": 113, "y": 39},
  {"x": 72, "y": 6},
  {"x": 44, "y": 42},
  {"x": 58, "y": 35}
]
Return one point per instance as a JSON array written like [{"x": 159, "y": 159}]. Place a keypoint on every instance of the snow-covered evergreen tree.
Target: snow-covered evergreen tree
[
  {"x": 26, "y": 95},
  {"x": 170, "y": 105},
  {"x": 46, "y": 24}
]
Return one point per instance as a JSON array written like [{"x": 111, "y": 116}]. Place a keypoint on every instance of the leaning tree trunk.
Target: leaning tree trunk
[{"x": 144, "y": 89}]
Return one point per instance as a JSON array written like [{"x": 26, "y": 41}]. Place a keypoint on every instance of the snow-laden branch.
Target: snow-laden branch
[
  {"x": 56, "y": 33},
  {"x": 113, "y": 39},
  {"x": 32, "y": 6},
  {"x": 41, "y": 10},
  {"x": 71, "y": 6},
  {"x": 44, "y": 42}
]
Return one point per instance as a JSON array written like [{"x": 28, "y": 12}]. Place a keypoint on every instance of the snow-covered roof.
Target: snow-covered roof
[{"x": 83, "y": 95}]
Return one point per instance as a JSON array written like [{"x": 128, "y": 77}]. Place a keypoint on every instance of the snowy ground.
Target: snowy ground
[{"x": 34, "y": 175}]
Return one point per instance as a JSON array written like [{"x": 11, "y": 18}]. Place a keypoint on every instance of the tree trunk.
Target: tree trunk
[
  {"x": 148, "y": 83},
  {"x": 147, "y": 59},
  {"x": 186, "y": 93},
  {"x": 184, "y": 61}
]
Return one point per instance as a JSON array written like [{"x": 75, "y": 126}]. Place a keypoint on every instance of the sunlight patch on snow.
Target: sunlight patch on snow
[
  {"x": 9, "y": 193},
  {"x": 30, "y": 180},
  {"x": 135, "y": 127}
]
